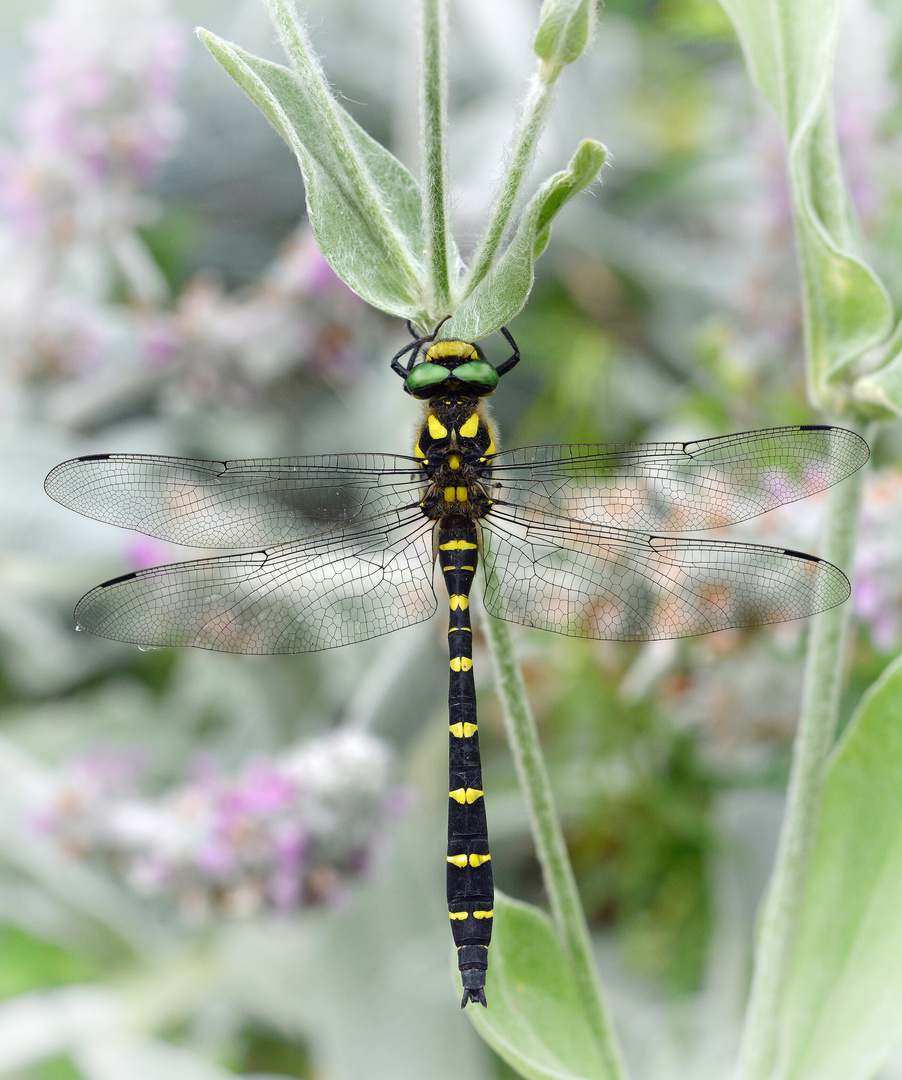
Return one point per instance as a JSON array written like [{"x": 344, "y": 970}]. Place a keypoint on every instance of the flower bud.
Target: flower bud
[{"x": 565, "y": 28}]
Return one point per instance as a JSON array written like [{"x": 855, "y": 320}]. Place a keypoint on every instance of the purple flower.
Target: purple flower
[
  {"x": 101, "y": 111},
  {"x": 281, "y": 833}
]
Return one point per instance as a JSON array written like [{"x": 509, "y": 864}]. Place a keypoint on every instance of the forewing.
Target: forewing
[
  {"x": 623, "y": 586},
  {"x": 232, "y": 504},
  {"x": 344, "y": 586},
  {"x": 677, "y": 487}
]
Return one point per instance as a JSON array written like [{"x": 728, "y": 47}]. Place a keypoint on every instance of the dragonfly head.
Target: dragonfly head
[{"x": 452, "y": 367}]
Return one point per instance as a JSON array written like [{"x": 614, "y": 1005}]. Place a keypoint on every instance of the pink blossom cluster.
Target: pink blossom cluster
[
  {"x": 82, "y": 300},
  {"x": 280, "y": 834},
  {"x": 100, "y": 116},
  {"x": 247, "y": 346}
]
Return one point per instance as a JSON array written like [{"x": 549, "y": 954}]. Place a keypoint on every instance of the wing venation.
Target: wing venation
[
  {"x": 234, "y": 504},
  {"x": 677, "y": 487},
  {"x": 344, "y": 586},
  {"x": 626, "y": 586}
]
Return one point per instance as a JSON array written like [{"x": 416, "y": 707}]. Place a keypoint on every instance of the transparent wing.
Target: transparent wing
[
  {"x": 344, "y": 586},
  {"x": 232, "y": 504},
  {"x": 677, "y": 487},
  {"x": 592, "y": 582}
]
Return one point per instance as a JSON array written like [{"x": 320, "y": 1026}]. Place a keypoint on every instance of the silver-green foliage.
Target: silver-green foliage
[
  {"x": 789, "y": 47},
  {"x": 825, "y": 999},
  {"x": 387, "y": 241}
]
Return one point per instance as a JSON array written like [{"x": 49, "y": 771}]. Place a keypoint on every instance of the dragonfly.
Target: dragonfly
[{"x": 575, "y": 539}]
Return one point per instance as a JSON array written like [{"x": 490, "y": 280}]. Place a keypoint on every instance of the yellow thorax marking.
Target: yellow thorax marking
[
  {"x": 436, "y": 428},
  {"x": 462, "y": 602},
  {"x": 417, "y": 451},
  {"x": 461, "y": 663},
  {"x": 454, "y": 462},
  {"x": 490, "y": 449},
  {"x": 450, "y": 494},
  {"x": 469, "y": 429},
  {"x": 462, "y": 731},
  {"x": 457, "y": 545}
]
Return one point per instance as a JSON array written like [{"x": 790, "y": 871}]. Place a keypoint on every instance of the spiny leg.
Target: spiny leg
[
  {"x": 413, "y": 348},
  {"x": 514, "y": 358}
]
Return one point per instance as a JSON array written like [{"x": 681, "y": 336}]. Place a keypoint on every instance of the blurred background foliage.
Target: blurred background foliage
[{"x": 214, "y": 864}]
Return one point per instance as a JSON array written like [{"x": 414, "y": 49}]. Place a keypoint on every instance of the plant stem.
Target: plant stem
[
  {"x": 824, "y": 672},
  {"x": 557, "y": 872},
  {"x": 526, "y": 138},
  {"x": 433, "y": 98}
]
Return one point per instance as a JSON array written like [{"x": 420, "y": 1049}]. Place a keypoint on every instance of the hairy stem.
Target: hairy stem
[
  {"x": 526, "y": 139},
  {"x": 824, "y": 671},
  {"x": 433, "y": 97},
  {"x": 557, "y": 872}
]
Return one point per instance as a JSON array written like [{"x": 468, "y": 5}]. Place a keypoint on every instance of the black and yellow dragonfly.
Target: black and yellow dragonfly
[{"x": 344, "y": 547}]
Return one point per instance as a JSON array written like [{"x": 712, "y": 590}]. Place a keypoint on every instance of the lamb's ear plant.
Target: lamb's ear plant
[
  {"x": 826, "y": 998},
  {"x": 383, "y": 233}
]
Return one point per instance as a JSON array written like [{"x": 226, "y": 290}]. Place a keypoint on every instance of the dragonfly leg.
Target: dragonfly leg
[
  {"x": 413, "y": 348},
  {"x": 513, "y": 359}
]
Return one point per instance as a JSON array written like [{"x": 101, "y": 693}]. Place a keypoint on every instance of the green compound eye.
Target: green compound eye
[
  {"x": 479, "y": 372},
  {"x": 425, "y": 377}
]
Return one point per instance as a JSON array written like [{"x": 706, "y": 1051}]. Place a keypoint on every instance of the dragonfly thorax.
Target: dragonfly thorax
[
  {"x": 454, "y": 447},
  {"x": 454, "y": 425}
]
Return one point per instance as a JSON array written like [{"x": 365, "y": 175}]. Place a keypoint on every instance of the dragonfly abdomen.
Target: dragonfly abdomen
[{"x": 469, "y": 875}]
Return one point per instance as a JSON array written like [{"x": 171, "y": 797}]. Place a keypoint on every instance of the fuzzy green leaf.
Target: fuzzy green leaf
[
  {"x": 882, "y": 387},
  {"x": 364, "y": 206},
  {"x": 789, "y": 46},
  {"x": 842, "y": 1013},
  {"x": 504, "y": 290},
  {"x": 535, "y": 1018}
]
